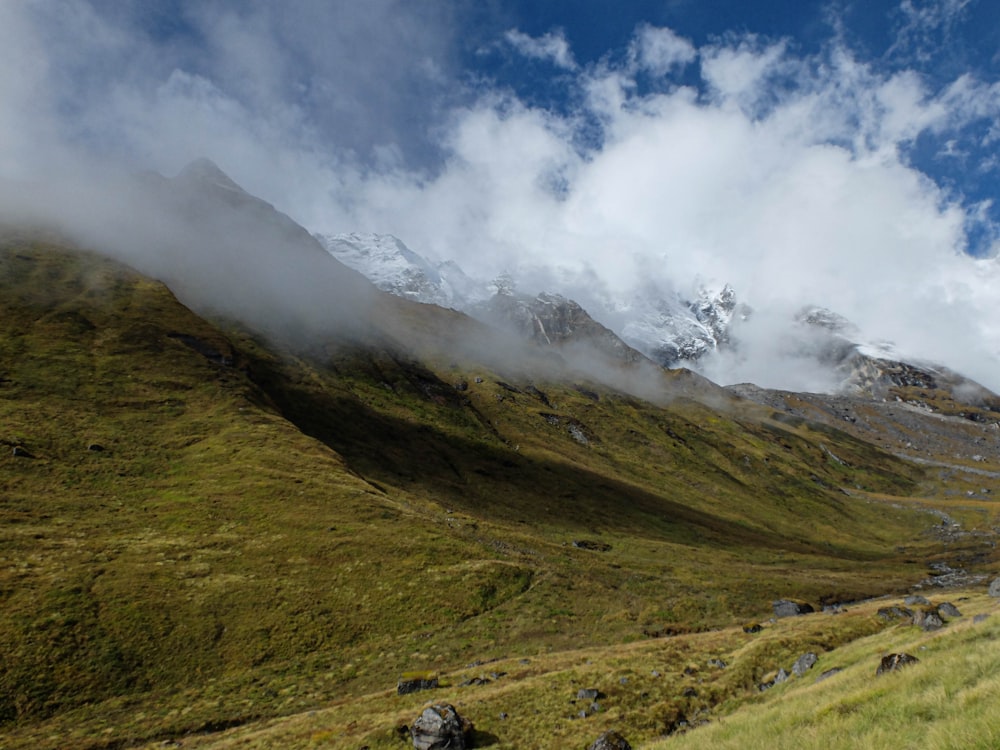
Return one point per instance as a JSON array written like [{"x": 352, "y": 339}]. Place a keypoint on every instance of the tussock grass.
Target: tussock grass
[
  {"x": 947, "y": 700},
  {"x": 648, "y": 687}
]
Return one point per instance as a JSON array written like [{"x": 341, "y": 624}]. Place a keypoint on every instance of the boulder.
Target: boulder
[
  {"x": 928, "y": 619},
  {"x": 947, "y": 609},
  {"x": 20, "y": 452},
  {"x": 788, "y": 608},
  {"x": 895, "y": 613},
  {"x": 752, "y": 627},
  {"x": 804, "y": 663},
  {"x": 776, "y": 679},
  {"x": 895, "y": 662},
  {"x": 592, "y": 545},
  {"x": 994, "y": 589},
  {"x": 916, "y": 599},
  {"x": 588, "y": 694},
  {"x": 440, "y": 727},
  {"x": 610, "y": 740},
  {"x": 980, "y": 618},
  {"x": 411, "y": 682}
]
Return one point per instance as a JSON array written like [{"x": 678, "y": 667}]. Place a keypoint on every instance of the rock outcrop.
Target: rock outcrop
[
  {"x": 440, "y": 727},
  {"x": 610, "y": 740},
  {"x": 895, "y": 662},
  {"x": 789, "y": 608}
]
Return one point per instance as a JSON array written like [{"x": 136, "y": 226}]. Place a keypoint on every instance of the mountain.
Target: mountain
[
  {"x": 551, "y": 320},
  {"x": 216, "y": 525},
  {"x": 678, "y": 332},
  {"x": 393, "y": 267},
  {"x": 665, "y": 328},
  {"x": 671, "y": 331}
]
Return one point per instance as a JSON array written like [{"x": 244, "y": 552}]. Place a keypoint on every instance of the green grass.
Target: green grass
[
  {"x": 946, "y": 701},
  {"x": 268, "y": 535}
]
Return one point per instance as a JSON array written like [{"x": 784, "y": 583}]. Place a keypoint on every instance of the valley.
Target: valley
[{"x": 221, "y": 532}]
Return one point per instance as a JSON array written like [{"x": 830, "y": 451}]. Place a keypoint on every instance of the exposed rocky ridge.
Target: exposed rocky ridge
[
  {"x": 553, "y": 320},
  {"x": 674, "y": 331},
  {"x": 393, "y": 267},
  {"x": 670, "y": 330},
  {"x": 666, "y": 327}
]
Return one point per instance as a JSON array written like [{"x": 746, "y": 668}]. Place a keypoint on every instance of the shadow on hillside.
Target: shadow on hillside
[{"x": 480, "y": 476}]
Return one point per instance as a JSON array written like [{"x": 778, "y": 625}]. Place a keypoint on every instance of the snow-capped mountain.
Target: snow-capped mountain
[
  {"x": 674, "y": 331},
  {"x": 393, "y": 267},
  {"x": 670, "y": 329}
]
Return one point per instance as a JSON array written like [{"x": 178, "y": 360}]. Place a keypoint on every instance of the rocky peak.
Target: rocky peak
[
  {"x": 393, "y": 267},
  {"x": 678, "y": 331},
  {"x": 552, "y": 320}
]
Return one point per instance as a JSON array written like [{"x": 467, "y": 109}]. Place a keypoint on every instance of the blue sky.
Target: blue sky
[{"x": 836, "y": 153}]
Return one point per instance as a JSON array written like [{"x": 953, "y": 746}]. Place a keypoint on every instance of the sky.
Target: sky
[{"x": 841, "y": 154}]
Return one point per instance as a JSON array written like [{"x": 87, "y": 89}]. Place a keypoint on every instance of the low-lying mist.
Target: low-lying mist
[
  {"x": 234, "y": 258},
  {"x": 223, "y": 252}
]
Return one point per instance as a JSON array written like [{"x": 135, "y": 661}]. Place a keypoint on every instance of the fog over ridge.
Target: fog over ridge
[{"x": 741, "y": 160}]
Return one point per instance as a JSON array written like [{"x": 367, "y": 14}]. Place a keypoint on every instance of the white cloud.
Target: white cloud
[
  {"x": 787, "y": 176},
  {"x": 551, "y": 46},
  {"x": 924, "y": 24},
  {"x": 660, "y": 50}
]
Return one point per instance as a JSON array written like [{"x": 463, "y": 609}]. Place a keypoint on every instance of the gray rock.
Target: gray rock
[
  {"x": 788, "y": 608},
  {"x": 588, "y": 694},
  {"x": 439, "y": 727},
  {"x": 980, "y": 618},
  {"x": 994, "y": 589},
  {"x": 804, "y": 663},
  {"x": 947, "y": 609},
  {"x": 610, "y": 740},
  {"x": 780, "y": 677},
  {"x": 915, "y": 599},
  {"x": 928, "y": 619},
  {"x": 718, "y": 663},
  {"x": 20, "y": 452},
  {"x": 406, "y": 686},
  {"x": 895, "y": 662},
  {"x": 895, "y": 613}
]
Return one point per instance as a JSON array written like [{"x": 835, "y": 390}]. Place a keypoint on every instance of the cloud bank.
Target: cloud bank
[{"x": 665, "y": 165}]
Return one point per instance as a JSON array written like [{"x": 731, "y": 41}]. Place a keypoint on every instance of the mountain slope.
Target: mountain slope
[
  {"x": 208, "y": 520},
  {"x": 214, "y": 537}
]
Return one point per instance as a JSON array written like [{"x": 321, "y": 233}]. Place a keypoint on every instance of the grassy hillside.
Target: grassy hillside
[
  {"x": 665, "y": 694},
  {"x": 202, "y": 530}
]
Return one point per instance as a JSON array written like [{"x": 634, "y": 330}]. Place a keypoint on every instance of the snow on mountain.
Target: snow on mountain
[
  {"x": 708, "y": 333},
  {"x": 673, "y": 331},
  {"x": 393, "y": 267}
]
